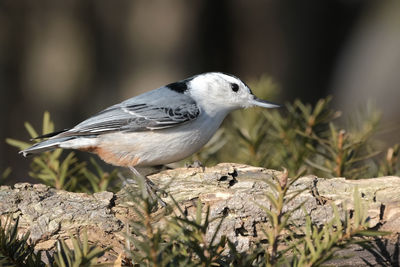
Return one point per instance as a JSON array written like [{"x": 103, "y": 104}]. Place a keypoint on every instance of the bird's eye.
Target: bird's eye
[{"x": 234, "y": 87}]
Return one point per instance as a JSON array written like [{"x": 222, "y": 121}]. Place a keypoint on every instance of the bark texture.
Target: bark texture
[{"x": 232, "y": 190}]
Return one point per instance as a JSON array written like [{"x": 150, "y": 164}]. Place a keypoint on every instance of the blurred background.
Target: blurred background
[{"x": 74, "y": 58}]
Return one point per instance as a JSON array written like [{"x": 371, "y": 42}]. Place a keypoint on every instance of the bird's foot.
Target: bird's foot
[
  {"x": 149, "y": 189},
  {"x": 195, "y": 164},
  {"x": 152, "y": 190}
]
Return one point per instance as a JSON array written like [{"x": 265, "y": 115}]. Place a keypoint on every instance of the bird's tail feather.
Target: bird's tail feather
[
  {"x": 46, "y": 145},
  {"x": 50, "y": 134}
]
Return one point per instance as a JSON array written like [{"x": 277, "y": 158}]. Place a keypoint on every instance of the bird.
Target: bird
[{"x": 157, "y": 127}]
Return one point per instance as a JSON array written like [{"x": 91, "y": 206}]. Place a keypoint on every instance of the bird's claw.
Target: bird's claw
[{"x": 152, "y": 190}]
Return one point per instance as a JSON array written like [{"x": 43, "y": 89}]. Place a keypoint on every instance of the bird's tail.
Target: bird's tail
[{"x": 46, "y": 145}]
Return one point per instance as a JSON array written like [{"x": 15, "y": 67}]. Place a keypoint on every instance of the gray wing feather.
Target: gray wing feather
[{"x": 158, "y": 109}]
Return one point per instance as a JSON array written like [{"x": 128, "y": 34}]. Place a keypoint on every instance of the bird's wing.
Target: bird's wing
[{"x": 157, "y": 109}]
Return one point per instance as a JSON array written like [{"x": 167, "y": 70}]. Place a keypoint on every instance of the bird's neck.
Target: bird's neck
[
  {"x": 216, "y": 112},
  {"x": 213, "y": 116},
  {"x": 214, "y": 108}
]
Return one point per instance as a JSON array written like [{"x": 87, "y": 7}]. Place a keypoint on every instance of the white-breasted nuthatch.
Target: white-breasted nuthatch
[{"x": 158, "y": 127}]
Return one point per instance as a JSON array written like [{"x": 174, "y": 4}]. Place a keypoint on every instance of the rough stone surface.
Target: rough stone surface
[{"x": 232, "y": 190}]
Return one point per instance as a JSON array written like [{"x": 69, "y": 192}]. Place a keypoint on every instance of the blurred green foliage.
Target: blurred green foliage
[
  {"x": 67, "y": 173},
  {"x": 180, "y": 242},
  {"x": 82, "y": 254},
  {"x": 6, "y": 173},
  {"x": 17, "y": 250},
  {"x": 319, "y": 244},
  {"x": 391, "y": 164}
]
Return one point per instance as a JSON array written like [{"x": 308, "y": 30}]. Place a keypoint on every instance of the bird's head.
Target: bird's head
[{"x": 215, "y": 90}]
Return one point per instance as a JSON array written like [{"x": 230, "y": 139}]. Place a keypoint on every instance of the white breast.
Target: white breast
[{"x": 163, "y": 146}]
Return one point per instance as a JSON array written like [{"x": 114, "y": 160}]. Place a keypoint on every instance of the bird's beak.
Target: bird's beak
[{"x": 263, "y": 103}]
